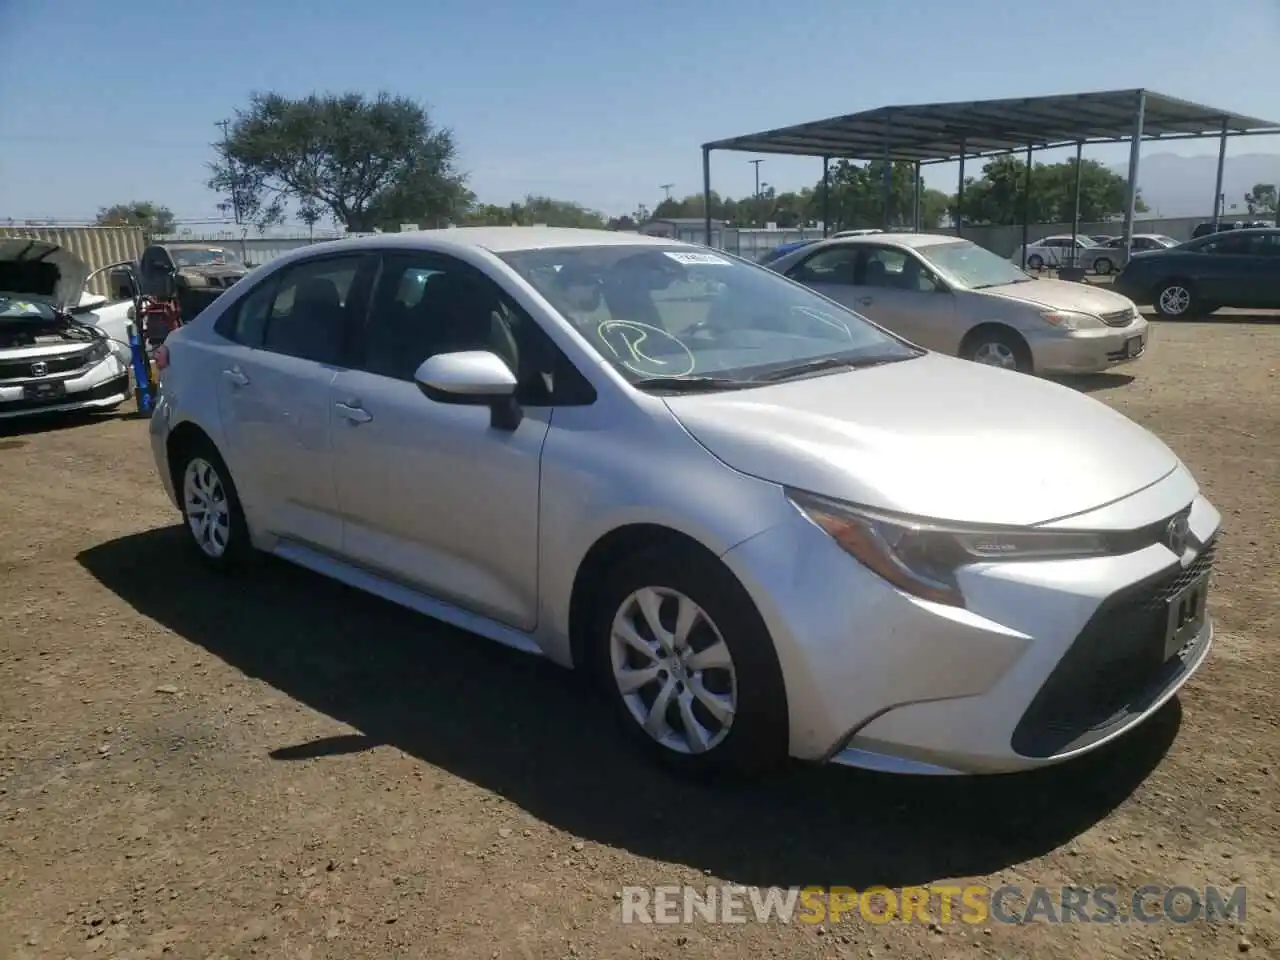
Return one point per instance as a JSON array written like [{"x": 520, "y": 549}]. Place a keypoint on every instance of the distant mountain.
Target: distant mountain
[{"x": 1175, "y": 186}]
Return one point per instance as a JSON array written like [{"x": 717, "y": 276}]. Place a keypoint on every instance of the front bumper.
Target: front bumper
[
  {"x": 1049, "y": 661},
  {"x": 101, "y": 387},
  {"x": 1087, "y": 351}
]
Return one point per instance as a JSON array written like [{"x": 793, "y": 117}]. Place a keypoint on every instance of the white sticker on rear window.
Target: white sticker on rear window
[{"x": 698, "y": 259}]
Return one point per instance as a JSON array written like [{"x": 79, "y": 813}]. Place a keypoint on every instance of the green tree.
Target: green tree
[
  {"x": 857, "y": 197},
  {"x": 151, "y": 216},
  {"x": 1262, "y": 198},
  {"x": 534, "y": 210},
  {"x": 369, "y": 162},
  {"x": 998, "y": 196}
]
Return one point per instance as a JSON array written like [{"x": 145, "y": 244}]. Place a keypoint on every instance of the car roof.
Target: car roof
[
  {"x": 913, "y": 240},
  {"x": 502, "y": 239}
]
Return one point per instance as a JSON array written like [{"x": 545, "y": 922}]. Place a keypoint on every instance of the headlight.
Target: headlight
[
  {"x": 194, "y": 279},
  {"x": 98, "y": 352},
  {"x": 922, "y": 558},
  {"x": 1070, "y": 320}
]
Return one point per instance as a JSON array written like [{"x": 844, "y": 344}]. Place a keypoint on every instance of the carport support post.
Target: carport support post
[
  {"x": 1026, "y": 207},
  {"x": 1222, "y": 162},
  {"x": 915, "y": 200},
  {"x": 826, "y": 195},
  {"x": 888, "y": 174},
  {"x": 706, "y": 193},
  {"x": 1075, "y": 218},
  {"x": 1135, "y": 150},
  {"x": 960, "y": 193}
]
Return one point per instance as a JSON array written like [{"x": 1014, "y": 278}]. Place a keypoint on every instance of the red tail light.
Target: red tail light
[{"x": 161, "y": 357}]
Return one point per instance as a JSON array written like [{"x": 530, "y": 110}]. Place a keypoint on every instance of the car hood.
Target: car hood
[
  {"x": 934, "y": 437},
  {"x": 1061, "y": 295},
  {"x": 41, "y": 270}
]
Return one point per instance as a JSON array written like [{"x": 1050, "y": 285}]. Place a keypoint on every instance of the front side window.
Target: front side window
[
  {"x": 427, "y": 304},
  {"x": 204, "y": 256},
  {"x": 670, "y": 312}
]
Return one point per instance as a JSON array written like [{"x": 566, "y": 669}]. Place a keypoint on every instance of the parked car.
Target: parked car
[
  {"x": 60, "y": 348},
  {"x": 1103, "y": 239},
  {"x": 194, "y": 274},
  {"x": 1063, "y": 251},
  {"x": 860, "y": 232},
  {"x": 764, "y": 525},
  {"x": 783, "y": 249},
  {"x": 1207, "y": 228},
  {"x": 1239, "y": 268},
  {"x": 956, "y": 297}
]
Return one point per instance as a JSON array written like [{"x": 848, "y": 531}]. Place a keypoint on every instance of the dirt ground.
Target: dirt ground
[{"x": 280, "y": 767}]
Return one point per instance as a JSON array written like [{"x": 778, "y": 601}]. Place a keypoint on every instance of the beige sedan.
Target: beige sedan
[{"x": 955, "y": 297}]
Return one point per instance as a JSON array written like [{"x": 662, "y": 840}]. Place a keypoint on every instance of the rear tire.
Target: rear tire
[
  {"x": 211, "y": 510},
  {"x": 1035, "y": 262},
  {"x": 676, "y": 631},
  {"x": 1102, "y": 266}
]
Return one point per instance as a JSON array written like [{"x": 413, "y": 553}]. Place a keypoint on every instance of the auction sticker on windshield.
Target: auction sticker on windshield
[{"x": 698, "y": 259}]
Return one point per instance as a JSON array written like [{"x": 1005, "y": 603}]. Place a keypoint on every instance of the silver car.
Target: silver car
[
  {"x": 956, "y": 297},
  {"x": 765, "y": 526}
]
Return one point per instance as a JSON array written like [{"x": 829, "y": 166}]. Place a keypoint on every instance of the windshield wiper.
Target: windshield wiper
[
  {"x": 689, "y": 384},
  {"x": 827, "y": 363}
]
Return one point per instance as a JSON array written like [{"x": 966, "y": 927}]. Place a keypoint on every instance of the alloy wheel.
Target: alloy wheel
[
  {"x": 673, "y": 670},
  {"x": 1174, "y": 300},
  {"x": 205, "y": 503},
  {"x": 995, "y": 354}
]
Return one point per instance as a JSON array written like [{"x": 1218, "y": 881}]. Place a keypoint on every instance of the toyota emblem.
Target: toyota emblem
[
  {"x": 1177, "y": 534},
  {"x": 39, "y": 368}
]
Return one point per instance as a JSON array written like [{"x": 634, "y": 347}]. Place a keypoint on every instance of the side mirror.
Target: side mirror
[{"x": 472, "y": 378}]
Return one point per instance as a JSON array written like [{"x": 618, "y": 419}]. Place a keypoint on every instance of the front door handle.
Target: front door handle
[
  {"x": 235, "y": 377},
  {"x": 353, "y": 412}
]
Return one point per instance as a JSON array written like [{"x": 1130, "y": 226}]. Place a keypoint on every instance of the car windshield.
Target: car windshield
[
  {"x": 657, "y": 312},
  {"x": 17, "y": 308},
  {"x": 203, "y": 257},
  {"x": 971, "y": 267}
]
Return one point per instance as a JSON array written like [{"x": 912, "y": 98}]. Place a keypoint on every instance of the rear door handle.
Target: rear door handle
[
  {"x": 866, "y": 301},
  {"x": 235, "y": 377},
  {"x": 353, "y": 412}
]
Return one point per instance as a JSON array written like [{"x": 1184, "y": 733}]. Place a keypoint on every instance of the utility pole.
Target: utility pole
[
  {"x": 235, "y": 187},
  {"x": 756, "y": 164},
  {"x": 666, "y": 187}
]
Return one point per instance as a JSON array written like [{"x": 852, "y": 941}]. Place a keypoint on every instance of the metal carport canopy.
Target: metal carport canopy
[{"x": 944, "y": 132}]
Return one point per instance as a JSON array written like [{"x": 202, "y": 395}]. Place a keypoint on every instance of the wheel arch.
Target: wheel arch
[
  {"x": 596, "y": 563},
  {"x": 181, "y": 440}
]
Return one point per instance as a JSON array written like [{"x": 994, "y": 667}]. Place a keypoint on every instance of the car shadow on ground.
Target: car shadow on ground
[
  {"x": 1093, "y": 382},
  {"x": 526, "y": 729},
  {"x": 1222, "y": 319},
  {"x": 13, "y": 428}
]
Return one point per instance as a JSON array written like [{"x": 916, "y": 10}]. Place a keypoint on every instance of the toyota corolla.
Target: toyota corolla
[{"x": 763, "y": 524}]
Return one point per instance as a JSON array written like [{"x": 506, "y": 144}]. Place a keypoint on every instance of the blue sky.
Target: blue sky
[{"x": 597, "y": 101}]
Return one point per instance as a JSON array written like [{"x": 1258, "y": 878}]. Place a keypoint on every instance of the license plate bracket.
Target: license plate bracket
[
  {"x": 44, "y": 390},
  {"x": 1186, "y": 616},
  {"x": 1133, "y": 347}
]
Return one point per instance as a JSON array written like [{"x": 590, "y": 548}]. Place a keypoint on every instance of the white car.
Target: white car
[
  {"x": 764, "y": 525},
  {"x": 956, "y": 297},
  {"x": 60, "y": 348},
  {"x": 1063, "y": 251}
]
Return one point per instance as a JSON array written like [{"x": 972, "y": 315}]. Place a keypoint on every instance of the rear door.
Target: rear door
[
  {"x": 831, "y": 271},
  {"x": 273, "y": 393}
]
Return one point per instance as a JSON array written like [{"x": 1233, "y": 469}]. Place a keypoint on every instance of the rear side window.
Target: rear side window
[{"x": 301, "y": 311}]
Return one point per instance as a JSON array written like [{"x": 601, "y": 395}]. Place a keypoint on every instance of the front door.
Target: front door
[
  {"x": 432, "y": 494},
  {"x": 897, "y": 290},
  {"x": 273, "y": 395}
]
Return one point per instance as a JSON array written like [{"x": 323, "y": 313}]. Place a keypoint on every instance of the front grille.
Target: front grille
[
  {"x": 63, "y": 363},
  {"x": 1114, "y": 670},
  {"x": 1119, "y": 318},
  {"x": 1115, "y": 356}
]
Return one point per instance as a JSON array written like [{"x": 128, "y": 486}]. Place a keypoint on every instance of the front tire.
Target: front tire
[
  {"x": 688, "y": 666},
  {"x": 211, "y": 510},
  {"x": 1102, "y": 266},
  {"x": 1175, "y": 300},
  {"x": 997, "y": 347},
  {"x": 1035, "y": 262}
]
